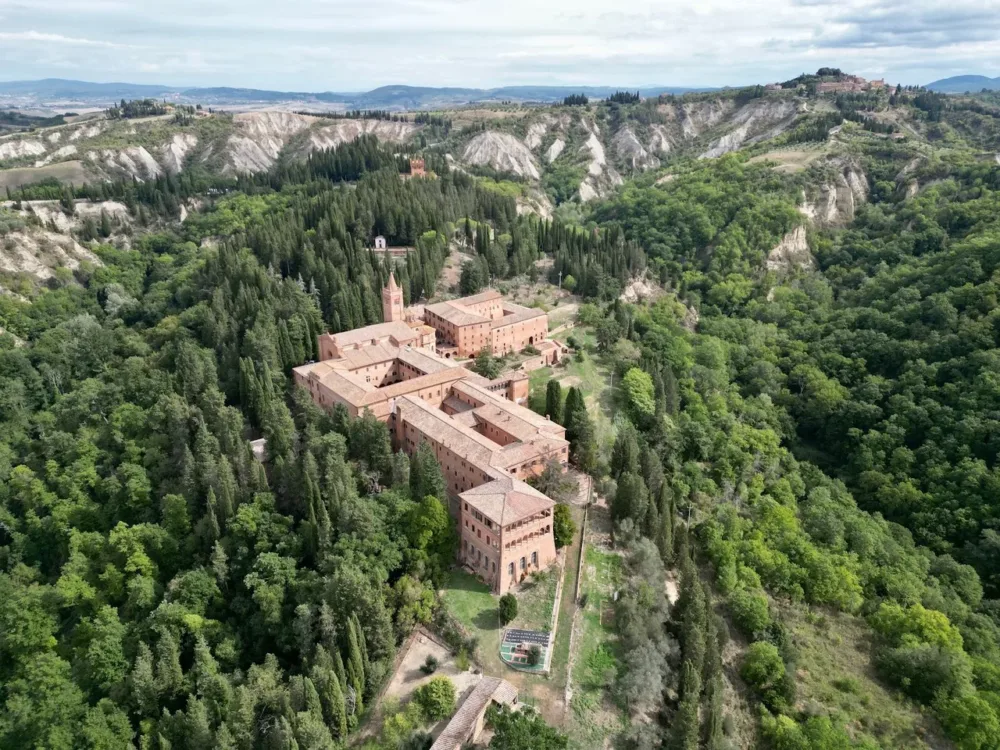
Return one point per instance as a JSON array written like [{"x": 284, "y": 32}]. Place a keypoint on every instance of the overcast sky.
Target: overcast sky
[{"x": 352, "y": 45}]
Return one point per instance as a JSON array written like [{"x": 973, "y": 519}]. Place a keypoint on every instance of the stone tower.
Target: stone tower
[{"x": 392, "y": 301}]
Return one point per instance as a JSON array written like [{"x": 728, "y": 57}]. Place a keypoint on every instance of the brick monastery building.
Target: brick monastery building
[{"x": 485, "y": 440}]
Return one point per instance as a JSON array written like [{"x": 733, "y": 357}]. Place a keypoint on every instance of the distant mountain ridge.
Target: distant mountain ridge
[
  {"x": 52, "y": 90},
  {"x": 962, "y": 84}
]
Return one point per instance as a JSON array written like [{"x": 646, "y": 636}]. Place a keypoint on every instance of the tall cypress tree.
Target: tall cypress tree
[
  {"x": 553, "y": 401},
  {"x": 685, "y": 732}
]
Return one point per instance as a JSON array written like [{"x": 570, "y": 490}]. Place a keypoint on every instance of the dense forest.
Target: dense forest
[
  {"x": 830, "y": 438},
  {"x": 158, "y": 582}
]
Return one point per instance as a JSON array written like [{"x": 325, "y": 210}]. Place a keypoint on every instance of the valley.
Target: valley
[{"x": 776, "y": 312}]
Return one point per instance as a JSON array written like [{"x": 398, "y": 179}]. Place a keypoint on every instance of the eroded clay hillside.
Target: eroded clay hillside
[
  {"x": 148, "y": 148},
  {"x": 586, "y": 152}
]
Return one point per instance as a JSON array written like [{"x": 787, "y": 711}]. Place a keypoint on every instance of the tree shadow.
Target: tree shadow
[{"x": 487, "y": 619}]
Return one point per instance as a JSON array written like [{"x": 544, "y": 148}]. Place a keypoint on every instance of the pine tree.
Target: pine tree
[{"x": 211, "y": 522}]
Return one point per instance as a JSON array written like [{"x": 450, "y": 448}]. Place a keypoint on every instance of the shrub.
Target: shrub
[
  {"x": 507, "y": 608},
  {"x": 534, "y": 656},
  {"x": 430, "y": 665},
  {"x": 462, "y": 660},
  {"x": 436, "y": 698},
  {"x": 750, "y": 611},
  {"x": 764, "y": 670}
]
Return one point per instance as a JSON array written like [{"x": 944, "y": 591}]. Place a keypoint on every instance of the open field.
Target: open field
[
  {"x": 67, "y": 171},
  {"x": 790, "y": 160}
]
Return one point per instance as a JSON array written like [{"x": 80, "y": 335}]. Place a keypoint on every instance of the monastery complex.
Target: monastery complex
[{"x": 487, "y": 442}]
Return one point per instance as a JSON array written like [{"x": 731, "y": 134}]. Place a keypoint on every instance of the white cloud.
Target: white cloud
[
  {"x": 357, "y": 44},
  {"x": 38, "y": 36}
]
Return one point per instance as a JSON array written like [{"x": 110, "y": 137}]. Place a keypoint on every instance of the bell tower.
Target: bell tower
[{"x": 392, "y": 301}]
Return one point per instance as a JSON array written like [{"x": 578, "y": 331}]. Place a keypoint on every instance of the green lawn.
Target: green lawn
[{"x": 472, "y": 604}]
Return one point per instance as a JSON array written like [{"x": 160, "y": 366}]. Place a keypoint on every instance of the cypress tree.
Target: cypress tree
[
  {"x": 338, "y": 669},
  {"x": 671, "y": 397},
  {"x": 625, "y": 453},
  {"x": 363, "y": 644},
  {"x": 651, "y": 522},
  {"x": 143, "y": 689},
  {"x": 169, "y": 675},
  {"x": 355, "y": 662},
  {"x": 715, "y": 738},
  {"x": 571, "y": 408},
  {"x": 553, "y": 401},
  {"x": 685, "y": 727}
]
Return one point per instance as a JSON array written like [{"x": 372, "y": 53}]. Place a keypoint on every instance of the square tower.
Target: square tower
[{"x": 392, "y": 301}]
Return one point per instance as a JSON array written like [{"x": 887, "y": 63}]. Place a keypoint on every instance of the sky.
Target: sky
[{"x": 355, "y": 45}]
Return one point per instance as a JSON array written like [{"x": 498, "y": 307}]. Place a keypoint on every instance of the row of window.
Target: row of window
[
  {"x": 527, "y": 537},
  {"x": 484, "y": 562}
]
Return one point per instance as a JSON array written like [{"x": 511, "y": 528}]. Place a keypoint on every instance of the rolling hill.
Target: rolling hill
[
  {"x": 394, "y": 97},
  {"x": 964, "y": 84}
]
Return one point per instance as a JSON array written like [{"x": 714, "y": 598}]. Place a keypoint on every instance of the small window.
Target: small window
[
  {"x": 534, "y": 558},
  {"x": 523, "y": 564},
  {"x": 510, "y": 569}
]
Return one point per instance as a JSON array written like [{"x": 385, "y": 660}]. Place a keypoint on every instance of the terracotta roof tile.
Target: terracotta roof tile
[{"x": 459, "y": 730}]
